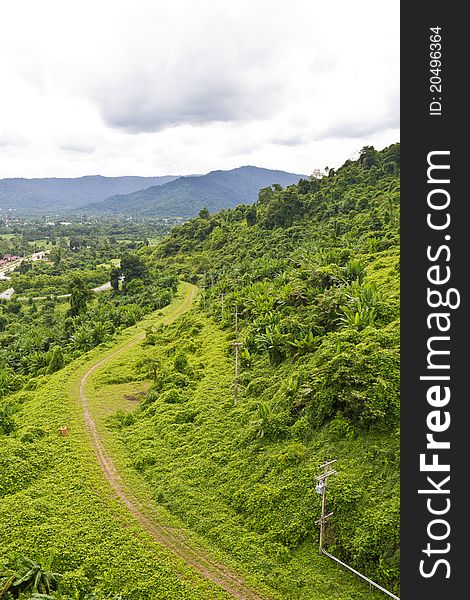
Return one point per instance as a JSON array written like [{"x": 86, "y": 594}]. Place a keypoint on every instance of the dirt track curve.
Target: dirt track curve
[{"x": 171, "y": 538}]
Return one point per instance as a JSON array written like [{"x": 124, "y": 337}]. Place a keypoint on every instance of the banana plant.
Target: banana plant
[
  {"x": 265, "y": 413},
  {"x": 7, "y": 577},
  {"x": 306, "y": 343},
  {"x": 28, "y": 575},
  {"x": 37, "y": 576},
  {"x": 354, "y": 270}
]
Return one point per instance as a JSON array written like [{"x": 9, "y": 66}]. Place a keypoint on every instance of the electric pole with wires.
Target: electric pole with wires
[
  {"x": 237, "y": 345},
  {"x": 222, "y": 296},
  {"x": 321, "y": 489}
]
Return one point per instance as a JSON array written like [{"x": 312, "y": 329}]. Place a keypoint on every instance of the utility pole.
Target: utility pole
[
  {"x": 204, "y": 292},
  {"x": 321, "y": 489},
  {"x": 222, "y": 296},
  {"x": 237, "y": 346}
]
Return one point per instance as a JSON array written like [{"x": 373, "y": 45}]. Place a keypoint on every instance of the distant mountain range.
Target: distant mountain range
[
  {"x": 140, "y": 196},
  {"x": 186, "y": 196},
  {"x": 57, "y": 194}
]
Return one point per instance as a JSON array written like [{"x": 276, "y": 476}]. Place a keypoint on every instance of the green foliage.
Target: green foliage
[
  {"x": 56, "y": 360},
  {"x": 80, "y": 295},
  {"x": 315, "y": 281},
  {"x": 132, "y": 268},
  {"x": 7, "y": 421},
  {"x": 181, "y": 363},
  {"x": 270, "y": 423},
  {"x": 27, "y": 575},
  {"x": 313, "y": 275}
]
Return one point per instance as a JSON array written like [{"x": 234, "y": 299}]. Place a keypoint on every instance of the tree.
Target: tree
[
  {"x": 75, "y": 244},
  {"x": 56, "y": 255},
  {"x": 56, "y": 360},
  {"x": 251, "y": 216},
  {"x": 115, "y": 278},
  {"x": 150, "y": 366},
  {"x": 368, "y": 157},
  {"x": 136, "y": 287},
  {"x": 133, "y": 267},
  {"x": 80, "y": 295},
  {"x": 25, "y": 266},
  {"x": 204, "y": 213}
]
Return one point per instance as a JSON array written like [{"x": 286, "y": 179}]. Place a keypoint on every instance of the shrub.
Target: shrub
[{"x": 172, "y": 396}]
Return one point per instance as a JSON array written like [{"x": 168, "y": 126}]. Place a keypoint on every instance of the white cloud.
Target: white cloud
[{"x": 154, "y": 87}]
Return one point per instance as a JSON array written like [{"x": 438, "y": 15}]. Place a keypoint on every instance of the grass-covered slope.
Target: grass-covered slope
[
  {"x": 250, "y": 494},
  {"x": 313, "y": 274},
  {"x": 54, "y": 499},
  {"x": 313, "y": 271}
]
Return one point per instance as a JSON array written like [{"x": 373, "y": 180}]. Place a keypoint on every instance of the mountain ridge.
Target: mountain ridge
[
  {"x": 186, "y": 195},
  {"x": 46, "y": 194}
]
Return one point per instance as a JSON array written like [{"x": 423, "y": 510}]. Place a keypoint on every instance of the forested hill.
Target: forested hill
[
  {"x": 351, "y": 212},
  {"x": 58, "y": 194},
  {"x": 307, "y": 279},
  {"x": 313, "y": 273},
  {"x": 185, "y": 196}
]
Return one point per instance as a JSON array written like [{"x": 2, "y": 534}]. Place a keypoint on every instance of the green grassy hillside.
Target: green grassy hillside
[
  {"x": 54, "y": 499},
  {"x": 312, "y": 273}
]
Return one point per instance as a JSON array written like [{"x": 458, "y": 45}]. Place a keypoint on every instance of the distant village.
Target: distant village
[{"x": 8, "y": 258}]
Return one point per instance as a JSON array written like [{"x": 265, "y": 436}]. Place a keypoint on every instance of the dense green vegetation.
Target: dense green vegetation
[
  {"x": 58, "y": 513},
  {"x": 312, "y": 272},
  {"x": 37, "y": 338},
  {"x": 25, "y": 236}
]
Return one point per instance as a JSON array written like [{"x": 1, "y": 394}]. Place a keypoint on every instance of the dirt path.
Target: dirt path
[{"x": 169, "y": 537}]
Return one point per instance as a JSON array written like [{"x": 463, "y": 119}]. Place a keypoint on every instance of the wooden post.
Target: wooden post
[
  {"x": 222, "y": 296},
  {"x": 323, "y": 505},
  {"x": 321, "y": 488},
  {"x": 237, "y": 346}
]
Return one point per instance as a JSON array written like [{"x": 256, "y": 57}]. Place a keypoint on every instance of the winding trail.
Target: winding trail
[{"x": 170, "y": 537}]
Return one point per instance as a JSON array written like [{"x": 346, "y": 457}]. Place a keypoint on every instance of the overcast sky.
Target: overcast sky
[{"x": 169, "y": 87}]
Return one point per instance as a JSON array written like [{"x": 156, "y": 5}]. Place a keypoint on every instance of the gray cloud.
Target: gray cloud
[
  {"x": 289, "y": 140},
  {"x": 78, "y": 147},
  {"x": 362, "y": 125},
  {"x": 190, "y": 94},
  {"x": 186, "y": 86},
  {"x": 358, "y": 129}
]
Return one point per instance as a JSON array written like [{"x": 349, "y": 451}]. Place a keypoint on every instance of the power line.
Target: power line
[
  {"x": 379, "y": 587},
  {"x": 321, "y": 489},
  {"x": 237, "y": 345},
  {"x": 222, "y": 296}
]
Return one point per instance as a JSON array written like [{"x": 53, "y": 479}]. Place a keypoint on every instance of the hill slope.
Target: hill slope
[
  {"x": 59, "y": 194},
  {"x": 312, "y": 273},
  {"x": 187, "y": 195}
]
